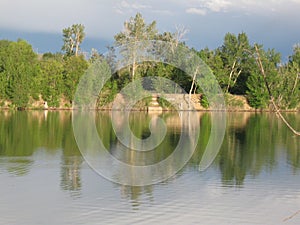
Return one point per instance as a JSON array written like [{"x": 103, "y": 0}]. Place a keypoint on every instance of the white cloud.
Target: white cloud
[
  {"x": 140, "y": 6},
  {"x": 130, "y": 6},
  {"x": 202, "y": 7},
  {"x": 124, "y": 4},
  {"x": 197, "y": 11},
  {"x": 217, "y": 5},
  {"x": 244, "y": 6}
]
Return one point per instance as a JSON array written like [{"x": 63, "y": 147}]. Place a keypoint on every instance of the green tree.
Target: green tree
[
  {"x": 234, "y": 56},
  {"x": 288, "y": 84},
  {"x": 296, "y": 55},
  {"x": 21, "y": 69},
  {"x": 74, "y": 68},
  {"x": 52, "y": 79},
  {"x": 257, "y": 92},
  {"x": 214, "y": 60},
  {"x": 3, "y": 66},
  {"x": 73, "y": 37},
  {"x": 294, "y": 91},
  {"x": 135, "y": 30}
]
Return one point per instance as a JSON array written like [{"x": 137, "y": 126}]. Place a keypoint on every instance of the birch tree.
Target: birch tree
[
  {"x": 73, "y": 37},
  {"x": 234, "y": 59},
  {"x": 134, "y": 31}
]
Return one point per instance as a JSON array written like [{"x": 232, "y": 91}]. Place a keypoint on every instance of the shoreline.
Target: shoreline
[
  {"x": 233, "y": 103},
  {"x": 154, "y": 111}
]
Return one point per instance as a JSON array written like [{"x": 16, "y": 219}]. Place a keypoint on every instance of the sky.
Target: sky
[{"x": 273, "y": 23}]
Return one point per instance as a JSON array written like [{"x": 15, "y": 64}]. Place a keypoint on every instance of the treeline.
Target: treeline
[{"x": 26, "y": 76}]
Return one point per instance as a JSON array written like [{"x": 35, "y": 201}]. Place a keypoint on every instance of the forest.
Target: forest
[{"x": 27, "y": 77}]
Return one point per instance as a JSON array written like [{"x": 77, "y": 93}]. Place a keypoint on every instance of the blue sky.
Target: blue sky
[{"x": 274, "y": 23}]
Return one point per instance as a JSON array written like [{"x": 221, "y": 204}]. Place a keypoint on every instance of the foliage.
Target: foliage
[
  {"x": 52, "y": 77},
  {"x": 234, "y": 57},
  {"x": 52, "y": 82},
  {"x": 165, "y": 104},
  {"x": 3, "y": 67},
  {"x": 204, "y": 101},
  {"x": 19, "y": 70},
  {"x": 73, "y": 37},
  {"x": 74, "y": 68},
  {"x": 135, "y": 31}
]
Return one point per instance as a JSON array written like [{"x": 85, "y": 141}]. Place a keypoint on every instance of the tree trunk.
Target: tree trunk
[
  {"x": 133, "y": 69},
  {"x": 262, "y": 70},
  {"x": 77, "y": 44},
  {"x": 230, "y": 76},
  {"x": 235, "y": 80},
  {"x": 296, "y": 81},
  {"x": 192, "y": 86},
  {"x": 72, "y": 45}
]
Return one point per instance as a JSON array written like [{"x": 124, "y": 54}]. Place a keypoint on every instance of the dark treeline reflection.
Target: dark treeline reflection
[
  {"x": 256, "y": 142},
  {"x": 253, "y": 143},
  {"x": 24, "y": 133}
]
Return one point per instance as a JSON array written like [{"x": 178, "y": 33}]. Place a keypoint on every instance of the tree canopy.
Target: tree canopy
[
  {"x": 73, "y": 37},
  {"x": 26, "y": 77}
]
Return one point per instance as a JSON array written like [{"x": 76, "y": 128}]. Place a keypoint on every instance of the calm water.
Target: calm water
[{"x": 255, "y": 178}]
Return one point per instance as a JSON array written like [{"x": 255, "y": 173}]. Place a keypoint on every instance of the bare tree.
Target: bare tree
[{"x": 178, "y": 36}]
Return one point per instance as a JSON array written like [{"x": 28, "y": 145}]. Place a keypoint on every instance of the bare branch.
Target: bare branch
[
  {"x": 180, "y": 33},
  {"x": 277, "y": 110}
]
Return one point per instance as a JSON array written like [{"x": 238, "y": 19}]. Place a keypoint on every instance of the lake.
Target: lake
[{"x": 253, "y": 179}]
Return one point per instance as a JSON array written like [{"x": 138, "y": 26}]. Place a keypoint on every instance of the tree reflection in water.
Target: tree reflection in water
[{"x": 253, "y": 143}]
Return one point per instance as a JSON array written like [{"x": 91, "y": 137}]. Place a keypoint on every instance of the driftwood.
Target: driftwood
[
  {"x": 291, "y": 217},
  {"x": 277, "y": 110}
]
